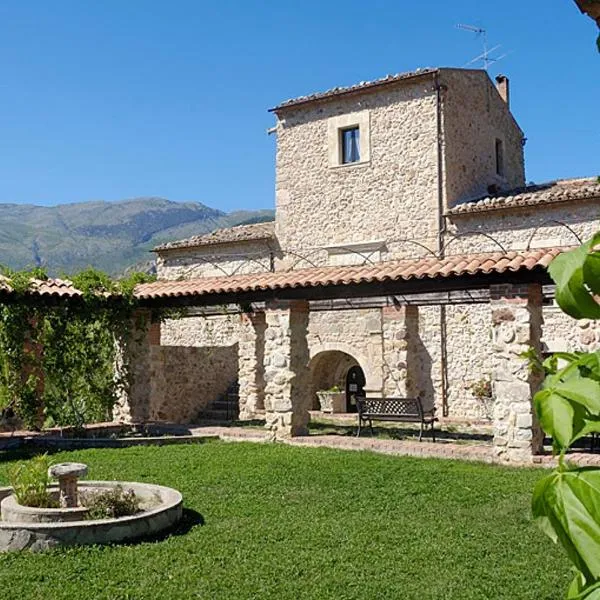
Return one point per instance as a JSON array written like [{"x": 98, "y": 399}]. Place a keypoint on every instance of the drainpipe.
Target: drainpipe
[
  {"x": 440, "y": 164},
  {"x": 441, "y": 231}
]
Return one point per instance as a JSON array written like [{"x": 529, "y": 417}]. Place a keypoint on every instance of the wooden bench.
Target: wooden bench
[{"x": 408, "y": 410}]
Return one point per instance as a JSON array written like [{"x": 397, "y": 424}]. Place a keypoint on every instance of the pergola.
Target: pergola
[{"x": 274, "y": 311}]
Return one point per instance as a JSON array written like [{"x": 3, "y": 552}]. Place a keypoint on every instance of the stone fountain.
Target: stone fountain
[{"x": 25, "y": 527}]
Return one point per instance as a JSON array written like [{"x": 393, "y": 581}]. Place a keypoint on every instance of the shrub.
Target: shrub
[
  {"x": 482, "y": 389},
  {"x": 111, "y": 503},
  {"x": 30, "y": 480}
]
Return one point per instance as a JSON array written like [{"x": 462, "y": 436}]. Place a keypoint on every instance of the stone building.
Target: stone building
[{"x": 422, "y": 166}]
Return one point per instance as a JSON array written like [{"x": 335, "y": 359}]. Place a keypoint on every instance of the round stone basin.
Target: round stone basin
[
  {"x": 13, "y": 512},
  {"x": 24, "y": 527}
]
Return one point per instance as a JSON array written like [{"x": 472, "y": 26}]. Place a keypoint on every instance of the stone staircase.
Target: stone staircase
[{"x": 225, "y": 408}]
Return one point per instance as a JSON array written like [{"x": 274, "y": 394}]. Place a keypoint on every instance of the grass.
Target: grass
[{"x": 273, "y": 521}]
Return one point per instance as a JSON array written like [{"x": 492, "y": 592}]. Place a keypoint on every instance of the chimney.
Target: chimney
[{"x": 503, "y": 88}]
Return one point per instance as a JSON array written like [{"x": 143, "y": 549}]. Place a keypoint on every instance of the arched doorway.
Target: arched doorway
[
  {"x": 355, "y": 386},
  {"x": 335, "y": 370}
]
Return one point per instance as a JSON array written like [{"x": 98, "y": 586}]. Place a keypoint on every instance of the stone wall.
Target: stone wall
[
  {"x": 212, "y": 362},
  {"x": 196, "y": 363},
  {"x": 214, "y": 330},
  {"x": 251, "y": 375},
  {"x": 396, "y": 190},
  {"x": 213, "y": 261},
  {"x": 356, "y": 332},
  {"x": 403, "y": 355},
  {"x": 184, "y": 380},
  {"x": 286, "y": 357},
  {"x": 400, "y": 332},
  {"x": 425, "y": 360},
  {"x": 562, "y": 333},
  {"x": 516, "y": 316},
  {"x": 469, "y": 359},
  {"x": 519, "y": 228},
  {"x": 392, "y": 196},
  {"x": 474, "y": 116},
  {"x": 134, "y": 358},
  {"x": 471, "y": 354},
  {"x": 409, "y": 364}
]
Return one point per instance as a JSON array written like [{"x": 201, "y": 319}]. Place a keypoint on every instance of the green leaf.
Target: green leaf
[
  {"x": 591, "y": 267},
  {"x": 555, "y": 415},
  {"x": 579, "y": 590},
  {"x": 585, "y": 427},
  {"x": 576, "y": 586},
  {"x": 568, "y": 504},
  {"x": 551, "y": 363},
  {"x": 571, "y": 294},
  {"x": 591, "y": 593},
  {"x": 589, "y": 365},
  {"x": 582, "y": 390},
  {"x": 540, "y": 510}
]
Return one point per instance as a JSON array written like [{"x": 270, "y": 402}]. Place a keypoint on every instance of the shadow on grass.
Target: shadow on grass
[
  {"x": 397, "y": 433},
  {"x": 25, "y": 453},
  {"x": 252, "y": 424},
  {"x": 190, "y": 519}
]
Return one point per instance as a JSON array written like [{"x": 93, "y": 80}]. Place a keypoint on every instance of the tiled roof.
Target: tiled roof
[
  {"x": 336, "y": 91},
  {"x": 534, "y": 195},
  {"x": 49, "y": 288},
  {"x": 240, "y": 233},
  {"x": 421, "y": 268}
]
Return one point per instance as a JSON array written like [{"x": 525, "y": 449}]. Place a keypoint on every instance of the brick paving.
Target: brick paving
[
  {"x": 480, "y": 452},
  {"x": 406, "y": 447},
  {"x": 475, "y": 452}
]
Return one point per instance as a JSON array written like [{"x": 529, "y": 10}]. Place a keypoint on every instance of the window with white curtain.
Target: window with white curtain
[
  {"x": 350, "y": 145},
  {"x": 349, "y": 139}
]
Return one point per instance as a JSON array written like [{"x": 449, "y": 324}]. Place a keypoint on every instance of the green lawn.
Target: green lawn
[{"x": 284, "y": 522}]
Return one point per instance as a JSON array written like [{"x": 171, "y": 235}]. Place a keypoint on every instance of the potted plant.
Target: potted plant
[
  {"x": 332, "y": 400},
  {"x": 482, "y": 390}
]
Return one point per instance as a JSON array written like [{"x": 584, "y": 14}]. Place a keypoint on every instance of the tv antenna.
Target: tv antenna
[{"x": 486, "y": 56}]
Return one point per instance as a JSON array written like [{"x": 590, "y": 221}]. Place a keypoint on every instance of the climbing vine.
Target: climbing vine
[{"x": 57, "y": 360}]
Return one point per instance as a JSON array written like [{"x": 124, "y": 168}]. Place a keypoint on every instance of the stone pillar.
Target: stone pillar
[
  {"x": 134, "y": 364},
  {"x": 251, "y": 378},
  {"x": 286, "y": 369},
  {"x": 516, "y": 327},
  {"x": 399, "y": 322}
]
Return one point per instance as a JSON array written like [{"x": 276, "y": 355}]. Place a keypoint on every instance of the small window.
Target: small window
[
  {"x": 350, "y": 142},
  {"x": 348, "y": 139},
  {"x": 499, "y": 158}
]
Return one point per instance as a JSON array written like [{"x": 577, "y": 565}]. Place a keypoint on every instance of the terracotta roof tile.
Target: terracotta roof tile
[
  {"x": 240, "y": 233},
  {"x": 337, "y": 91},
  {"x": 534, "y": 195},
  {"x": 409, "y": 269},
  {"x": 50, "y": 287}
]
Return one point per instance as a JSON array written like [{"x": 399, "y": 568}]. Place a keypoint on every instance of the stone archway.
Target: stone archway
[
  {"x": 328, "y": 369},
  {"x": 369, "y": 361}
]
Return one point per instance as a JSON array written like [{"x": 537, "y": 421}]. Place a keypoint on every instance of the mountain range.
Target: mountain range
[{"x": 111, "y": 236}]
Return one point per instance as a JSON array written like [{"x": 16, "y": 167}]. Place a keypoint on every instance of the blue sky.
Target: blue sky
[{"x": 118, "y": 99}]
